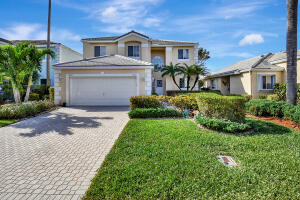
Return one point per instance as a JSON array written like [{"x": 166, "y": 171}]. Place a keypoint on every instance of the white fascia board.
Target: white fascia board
[
  {"x": 99, "y": 41},
  {"x": 106, "y": 67},
  {"x": 175, "y": 45},
  {"x": 130, "y": 35}
]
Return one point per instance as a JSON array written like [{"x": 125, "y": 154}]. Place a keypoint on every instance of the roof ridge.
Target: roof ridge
[{"x": 263, "y": 58}]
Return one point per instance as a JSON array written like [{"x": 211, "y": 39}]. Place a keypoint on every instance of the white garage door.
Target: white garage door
[{"x": 102, "y": 91}]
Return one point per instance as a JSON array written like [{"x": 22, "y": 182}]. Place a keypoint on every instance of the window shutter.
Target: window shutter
[{"x": 259, "y": 82}]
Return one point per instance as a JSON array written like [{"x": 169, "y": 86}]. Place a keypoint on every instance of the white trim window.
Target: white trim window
[
  {"x": 100, "y": 51},
  {"x": 134, "y": 51},
  {"x": 213, "y": 84},
  {"x": 183, "y": 54},
  {"x": 266, "y": 81}
]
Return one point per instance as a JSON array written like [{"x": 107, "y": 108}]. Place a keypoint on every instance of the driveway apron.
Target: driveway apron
[{"x": 55, "y": 155}]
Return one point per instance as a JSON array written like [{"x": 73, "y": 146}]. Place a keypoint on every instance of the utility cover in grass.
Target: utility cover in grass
[{"x": 227, "y": 160}]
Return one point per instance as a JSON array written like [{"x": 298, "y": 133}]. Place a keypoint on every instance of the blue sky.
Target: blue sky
[{"x": 232, "y": 30}]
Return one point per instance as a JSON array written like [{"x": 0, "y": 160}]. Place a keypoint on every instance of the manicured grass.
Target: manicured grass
[
  {"x": 7, "y": 122},
  {"x": 174, "y": 159}
]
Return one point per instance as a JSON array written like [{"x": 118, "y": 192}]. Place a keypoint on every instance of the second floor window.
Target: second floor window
[
  {"x": 183, "y": 54},
  {"x": 100, "y": 51},
  {"x": 134, "y": 51}
]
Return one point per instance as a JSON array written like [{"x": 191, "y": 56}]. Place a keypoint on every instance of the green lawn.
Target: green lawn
[
  {"x": 7, "y": 122},
  {"x": 174, "y": 159}
]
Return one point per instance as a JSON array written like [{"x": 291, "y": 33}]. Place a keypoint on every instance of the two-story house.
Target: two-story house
[{"x": 115, "y": 68}]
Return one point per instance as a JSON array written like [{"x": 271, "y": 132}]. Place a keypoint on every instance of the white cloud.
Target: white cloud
[
  {"x": 26, "y": 31},
  {"x": 251, "y": 39}
]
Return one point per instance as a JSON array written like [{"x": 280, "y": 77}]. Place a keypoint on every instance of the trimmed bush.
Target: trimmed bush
[
  {"x": 22, "y": 110},
  {"x": 221, "y": 125},
  {"x": 292, "y": 113},
  {"x": 184, "y": 102},
  {"x": 221, "y": 107},
  {"x": 51, "y": 94},
  {"x": 1, "y": 99},
  {"x": 34, "y": 97},
  {"x": 153, "y": 113},
  {"x": 280, "y": 91},
  {"x": 247, "y": 97},
  {"x": 263, "y": 107},
  {"x": 262, "y": 96},
  {"x": 273, "y": 97},
  {"x": 144, "y": 102}
]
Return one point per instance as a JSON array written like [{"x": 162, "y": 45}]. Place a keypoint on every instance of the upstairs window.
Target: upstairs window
[
  {"x": 134, "y": 51},
  {"x": 183, "y": 54},
  {"x": 100, "y": 51},
  {"x": 158, "y": 63}
]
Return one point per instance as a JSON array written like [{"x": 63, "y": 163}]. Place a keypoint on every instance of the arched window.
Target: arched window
[{"x": 158, "y": 63}]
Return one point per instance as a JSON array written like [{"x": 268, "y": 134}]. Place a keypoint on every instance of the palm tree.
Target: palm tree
[
  {"x": 12, "y": 66},
  {"x": 33, "y": 63},
  {"x": 171, "y": 70},
  {"x": 291, "y": 51},
  {"x": 48, "y": 43},
  {"x": 188, "y": 71},
  {"x": 199, "y": 70}
]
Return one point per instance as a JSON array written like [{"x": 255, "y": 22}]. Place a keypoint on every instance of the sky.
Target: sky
[{"x": 231, "y": 30}]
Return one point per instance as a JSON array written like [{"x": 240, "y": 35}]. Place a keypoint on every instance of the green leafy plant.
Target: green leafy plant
[
  {"x": 263, "y": 107},
  {"x": 144, "y": 102},
  {"x": 34, "y": 97},
  {"x": 153, "y": 113},
  {"x": 221, "y": 125},
  {"x": 273, "y": 97},
  {"x": 51, "y": 94},
  {"x": 183, "y": 102},
  {"x": 22, "y": 110},
  {"x": 262, "y": 96},
  {"x": 221, "y": 107}
]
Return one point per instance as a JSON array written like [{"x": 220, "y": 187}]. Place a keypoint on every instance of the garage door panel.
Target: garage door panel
[{"x": 102, "y": 90}]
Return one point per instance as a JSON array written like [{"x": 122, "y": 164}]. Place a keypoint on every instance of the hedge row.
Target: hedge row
[
  {"x": 22, "y": 110},
  {"x": 221, "y": 125},
  {"x": 272, "y": 108},
  {"x": 153, "y": 113},
  {"x": 221, "y": 107}
]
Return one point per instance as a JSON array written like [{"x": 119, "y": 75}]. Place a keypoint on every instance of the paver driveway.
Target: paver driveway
[{"x": 55, "y": 155}]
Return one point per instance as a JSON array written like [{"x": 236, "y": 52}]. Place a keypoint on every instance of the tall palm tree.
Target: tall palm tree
[
  {"x": 33, "y": 63},
  {"x": 12, "y": 66},
  {"x": 171, "y": 70},
  {"x": 291, "y": 51},
  {"x": 48, "y": 43}
]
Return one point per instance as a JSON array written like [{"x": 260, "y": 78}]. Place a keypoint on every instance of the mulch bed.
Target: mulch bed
[{"x": 286, "y": 123}]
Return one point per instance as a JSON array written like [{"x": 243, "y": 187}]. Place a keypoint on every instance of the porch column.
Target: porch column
[
  {"x": 121, "y": 49},
  {"x": 168, "y": 55}
]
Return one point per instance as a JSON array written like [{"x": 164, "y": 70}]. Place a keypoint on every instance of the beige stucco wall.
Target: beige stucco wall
[
  {"x": 283, "y": 64},
  {"x": 240, "y": 84},
  {"x": 89, "y": 52},
  {"x": 255, "y": 92},
  {"x": 191, "y": 59},
  {"x": 63, "y": 72}
]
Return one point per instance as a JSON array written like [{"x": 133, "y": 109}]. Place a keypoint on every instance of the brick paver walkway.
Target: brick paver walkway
[{"x": 55, "y": 155}]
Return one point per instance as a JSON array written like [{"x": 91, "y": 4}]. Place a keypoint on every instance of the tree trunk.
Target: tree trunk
[
  {"x": 16, "y": 92},
  {"x": 291, "y": 52},
  {"x": 48, "y": 43},
  {"x": 173, "y": 77},
  {"x": 188, "y": 83},
  {"x": 28, "y": 87},
  {"x": 196, "y": 80}
]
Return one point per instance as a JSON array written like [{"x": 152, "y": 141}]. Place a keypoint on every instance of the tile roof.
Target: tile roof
[
  {"x": 5, "y": 40},
  {"x": 154, "y": 41},
  {"x": 262, "y": 62},
  {"x": 102, "y": 61},
  {"x": 35, "y": 42}
]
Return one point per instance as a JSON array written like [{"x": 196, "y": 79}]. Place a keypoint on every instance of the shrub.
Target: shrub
[
  {"x": 280, "y": 90},
  {"x": 292, "y": 112},
  {"x": 34, "y": 97},
  {"x": 263, "y": 107},
  {"x": 144, "y": 102},
  {"x": 221, "y": 125},
  {"x": 153, "y": 113},
  {"x": 262, "y": 96},
  {"x": 51, "y": 94},
  {"x": 1, "y": 99},
  {"x": 273, "y": 97},
  {"x": 247, "y": 97},
  {"x": 221, "y": 107},
  {"x": 184, "y": 102},
  {"x": 21, "y": 110}
]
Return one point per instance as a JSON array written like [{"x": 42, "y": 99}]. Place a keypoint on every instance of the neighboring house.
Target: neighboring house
[
  {"x": 255, "y": 76},
  {"x": 4, "y": 41},
  {"x": 115, "y": 68},
  {"x": 62, "y": 52}
]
